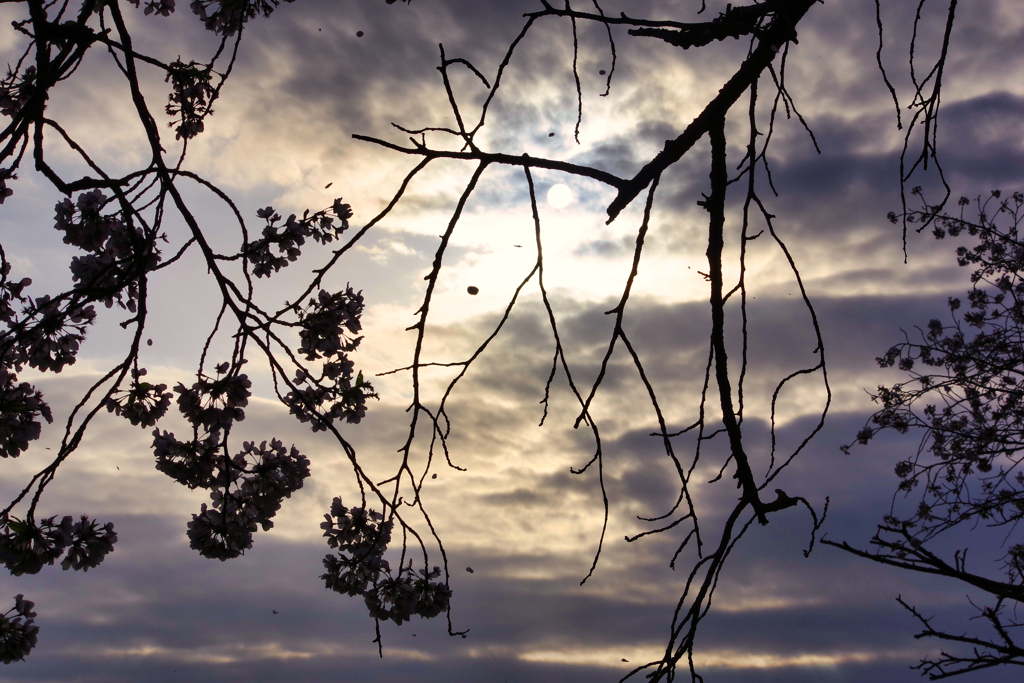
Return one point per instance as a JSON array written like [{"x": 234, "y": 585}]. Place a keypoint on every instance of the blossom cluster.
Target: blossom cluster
[
  {"x": 10, "y": 292},
  {"x": 361, "y": 537},
  {"x": 90, "y": 543},
  {"x": 223, "y": 531},
  {"x": 246, "y": 490},
  {"x": 225, "y": 17},
  {"x": 261, "y": 477},
  {"x": 322, "y": 404},
  {"x": 17, "y": 637},
  {"x": 274, "y": 474},
  {"x": 328, "y": 325},
  {"x": 46, "y": 333},
  {"x": 191, "y": 94},
  {"x": 49, "y": 338},
  {"x": 325, "y": 322},
  {"x": 16, "y": 90},
  {"x": 118, "y": 256},
  {"x": 114, "y": 232},
  {"x": 26, "y": 545},
  {"x": 963, "y": 389},
  {"x": 214, "y": 404},
  {"x": 21, "y": 406},
  {"x": 5, "y": 175},
  {"x": 83, "y": 224},
  {"x": 288, "y": 238},
  {"x": 411, "y": 592},
  {"x": 143, "y": 404},
  {"x": 190, "y": 463}
]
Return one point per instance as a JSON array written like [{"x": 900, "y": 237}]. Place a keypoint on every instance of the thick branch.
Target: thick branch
[{"x": 781, "y": 30}]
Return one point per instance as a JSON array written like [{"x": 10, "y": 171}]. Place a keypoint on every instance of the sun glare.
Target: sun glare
[{"x": 560, "y": 196}]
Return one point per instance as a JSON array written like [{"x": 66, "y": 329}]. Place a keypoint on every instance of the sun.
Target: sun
[{"x": 560, "y": 196}]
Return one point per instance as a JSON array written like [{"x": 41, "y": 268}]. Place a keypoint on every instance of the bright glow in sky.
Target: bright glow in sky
[
  {"x": 305, "y": 83},
  {"x": 560, "y": 196}
]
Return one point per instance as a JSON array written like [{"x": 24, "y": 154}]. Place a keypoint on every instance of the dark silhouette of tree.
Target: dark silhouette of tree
[
  {"x": 769, "y": 27},
  {"x": 965, "y": 395},
  {"x": 118, "y": 223}
]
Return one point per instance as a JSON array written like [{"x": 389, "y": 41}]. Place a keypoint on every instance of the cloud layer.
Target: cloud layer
[{"x": 529, "y": 529}]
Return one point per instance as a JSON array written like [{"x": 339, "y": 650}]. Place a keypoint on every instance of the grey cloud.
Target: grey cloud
[
  {"x": 984, "y": 140},
  {"x": 518, "y": 497},
  {"x": 605, "y": 248},
  {"x": 672, "y": 341},
  {"x": 624, "y": 154},
  {"x": 154, "y": 591},
  {"x": 147, "y": 597}
]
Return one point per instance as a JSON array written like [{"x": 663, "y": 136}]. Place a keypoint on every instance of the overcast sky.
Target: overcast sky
[{"x": 305, "y": 82}]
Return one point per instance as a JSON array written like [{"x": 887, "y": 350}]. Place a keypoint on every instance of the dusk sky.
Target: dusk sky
[{"x": 304, "y": 83}]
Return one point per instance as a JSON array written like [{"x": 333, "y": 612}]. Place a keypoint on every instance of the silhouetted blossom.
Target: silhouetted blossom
[
  {"x": 214, "y": 403},
  {"x": 974, "y": 399},
  {"x": 114, "y": 222},
  {"x": 26, "y": 546},
  {"x": 143, "y": 404},
  {"x": 288, "y": 238},
  {"x": 358, "y": 569},
  {"x": 21, "y": 406},
  {"x": 410, "y": 593},
  {"x": 191, "y": 463},
  {"x": 361, "y": 537},
  {"x": 10, "y": 292},
  {"x": 357, "y": 530},
  {"x": 225, "y": 17},
  {"x": 339, "y": 399},
  {"x": 328, "y": 324},
  {"x": 246, "y": 490},
  {"x": 433, "y": 597},
  {"x": 16, "y": 90},
  {"x": 51, "y": 335},
  {"x": 274, "y": 474},
  {"x": 223, "y": 531},
  {"x": 90, "y": 543},
  {"x": 5, "y": 191},
  {"x": 191, "y": 95},
  {"x": 118, "y": 255},
  {"x": 164, "y": 8},
  {"x": 82, "y": 223},
  {"x": 18, "y": 632},
  {"x": 965, "y": 396},
  {"x": 327, "y": 319}
]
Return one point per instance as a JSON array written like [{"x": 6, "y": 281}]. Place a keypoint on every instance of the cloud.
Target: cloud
[{"x": 304, "y": 83}]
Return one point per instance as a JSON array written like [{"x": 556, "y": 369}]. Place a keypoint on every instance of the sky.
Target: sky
[{"x": 305, "y": 82}]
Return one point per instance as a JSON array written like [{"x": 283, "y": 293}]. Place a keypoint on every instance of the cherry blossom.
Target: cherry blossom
[
  {"x": 190, "y": 463},
  {"x": 21, "y": 406},
  {"x": 142, "y": 404},
  {"x": 26, "y": 547},
  {"x": 90, "y": 543},
  {"x": 359, "y": 569},
  {"x": 191, "y": 90},
  {"x": 18, "y": 632},
  {"x": 280, "y": 245},
  {"x": 214, "y": 403}
]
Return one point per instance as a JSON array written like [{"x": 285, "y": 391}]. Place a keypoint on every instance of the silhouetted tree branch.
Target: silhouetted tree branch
[
  {"x": 118, "y": 223},
  {"x": 771, "y": 26},
  {"x": 964, "y": 395}
]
